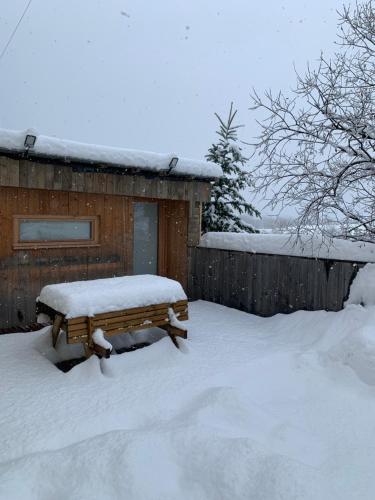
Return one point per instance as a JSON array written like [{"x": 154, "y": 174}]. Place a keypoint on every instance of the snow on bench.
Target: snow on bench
[{"x": 86, "y": 310}]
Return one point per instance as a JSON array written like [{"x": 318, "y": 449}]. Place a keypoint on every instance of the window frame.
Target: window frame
[{"x": 35, "y": 244}]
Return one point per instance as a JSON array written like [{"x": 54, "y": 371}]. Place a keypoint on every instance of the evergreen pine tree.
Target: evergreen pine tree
[{"x": 223, "y": 212}]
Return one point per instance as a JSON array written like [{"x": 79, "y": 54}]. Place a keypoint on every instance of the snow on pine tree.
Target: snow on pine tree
[{"x": 223, "y": 212}]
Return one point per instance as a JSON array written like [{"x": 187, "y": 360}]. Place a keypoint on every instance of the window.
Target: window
[
  {"x": 145, "y": 243},
  {"x": 55, "y": 231}
]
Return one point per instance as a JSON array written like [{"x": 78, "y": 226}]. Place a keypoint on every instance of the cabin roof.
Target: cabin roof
[{"x": 66, "y": 151}]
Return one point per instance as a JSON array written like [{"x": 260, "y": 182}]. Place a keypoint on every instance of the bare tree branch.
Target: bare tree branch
[{"x": 316, "y": 149}]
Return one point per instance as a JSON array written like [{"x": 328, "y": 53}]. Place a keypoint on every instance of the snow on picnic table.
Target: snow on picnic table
[
  {"x": 13, "y": 140},
  {"x": 250, "y": 408},
  {"x": 287, "y": 244},
  {"x": 86, "y": 298}
]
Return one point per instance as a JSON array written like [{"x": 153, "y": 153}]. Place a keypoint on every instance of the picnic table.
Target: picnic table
[{"x": 88, "y": 310}]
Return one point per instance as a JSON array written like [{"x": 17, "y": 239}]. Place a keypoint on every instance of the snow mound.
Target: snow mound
[
  {"x": 13, "y": 140},
  {"x": 227, "y": 412},
  {"x": 177, "y": 463},
  {"x": 86, "y": 298},
  {"x": 357, "y": 351},
  {"x": 362, "y": 290},
  {"x": 286, "y": 244},
  {"x": 355, "y": 343}
]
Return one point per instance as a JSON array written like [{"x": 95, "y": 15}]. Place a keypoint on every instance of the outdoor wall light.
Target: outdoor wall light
[
  {"x": 30, "y": 141},
  {"x": 173, "y": 163}
]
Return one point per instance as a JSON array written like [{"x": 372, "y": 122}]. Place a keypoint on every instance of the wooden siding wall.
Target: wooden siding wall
[
  {"x": 268, "y": 284},
  {"x": 24, "y": 272},
  {"x": 29, "y": 174}
]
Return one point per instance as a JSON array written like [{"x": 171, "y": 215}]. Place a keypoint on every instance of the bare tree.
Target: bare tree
[{"x": 317, "y": 147}]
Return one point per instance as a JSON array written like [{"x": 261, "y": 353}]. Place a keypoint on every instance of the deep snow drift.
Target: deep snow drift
[
  {"x": 362, "y": 290},
  {"x": 264, "y": 409}
]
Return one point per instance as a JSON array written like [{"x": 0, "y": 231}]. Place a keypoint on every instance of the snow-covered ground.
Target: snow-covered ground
[{"x": 249, "y": 408}]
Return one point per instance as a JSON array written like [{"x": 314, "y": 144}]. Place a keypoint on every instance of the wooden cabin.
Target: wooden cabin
[{"x": 71, "y": 212}]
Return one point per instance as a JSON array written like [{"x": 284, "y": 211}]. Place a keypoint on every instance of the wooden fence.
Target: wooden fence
[{"x": 269, "y": 284}]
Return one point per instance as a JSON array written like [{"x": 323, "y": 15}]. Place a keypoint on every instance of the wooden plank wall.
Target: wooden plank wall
[
  {"x": 24, "y": 272},
  {"x": 268, "y": 284},
  {"x": 30, "y": 174}
]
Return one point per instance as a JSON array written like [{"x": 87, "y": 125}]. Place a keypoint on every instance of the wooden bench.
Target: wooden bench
[{"x": 81, "y": 329}]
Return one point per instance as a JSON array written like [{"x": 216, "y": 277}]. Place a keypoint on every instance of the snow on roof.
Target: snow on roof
[
  {"x": 87, "y": 298},
  {"x": 52, "y": 147},
  {"x": 286, "y": 244}
]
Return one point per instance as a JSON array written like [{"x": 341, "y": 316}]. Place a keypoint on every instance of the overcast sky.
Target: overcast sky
[{"x": 150, "y": 75}]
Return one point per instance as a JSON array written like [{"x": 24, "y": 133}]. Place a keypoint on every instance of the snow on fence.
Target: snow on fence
[{"x": 257, "y": 275}]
